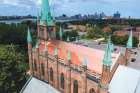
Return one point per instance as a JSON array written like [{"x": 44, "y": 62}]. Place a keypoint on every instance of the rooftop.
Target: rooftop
[
  {"x": 78, "y": 53},
  {"x": 134, "y": 61},
  {"x": 125, "y": 80},
  {"x": 37, "y": 86}
]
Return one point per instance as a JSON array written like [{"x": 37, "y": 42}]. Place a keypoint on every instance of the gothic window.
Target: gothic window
[
  {"x": 92, "y": 91},
  {"x": 33, "y": 66},
  {"x": 42, "y": 69},
  {"x": 75, "y": 86},
  {"x": 62, "y": 80},
  {"x": 51, "y": 74}
]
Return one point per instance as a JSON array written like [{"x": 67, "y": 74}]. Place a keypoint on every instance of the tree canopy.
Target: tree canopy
[{"x": 12, "y": 68}]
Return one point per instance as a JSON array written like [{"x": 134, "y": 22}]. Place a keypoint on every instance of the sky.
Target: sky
[{"x": 71, "y": 7}]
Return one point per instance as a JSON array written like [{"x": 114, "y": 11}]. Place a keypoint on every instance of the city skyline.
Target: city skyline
[{"x": 71, "y": 7}]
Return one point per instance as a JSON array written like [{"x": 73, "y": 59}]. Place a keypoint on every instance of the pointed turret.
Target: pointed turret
[
  {"x": 76, "y": 41},
  {"x": 85, "y": 62},
  {"x": 37, "y": 44},
  {"x": 55, "y": 51},
  {"x": 29, "y": 40},
  {"x": 61, "y": 33},
  {"x": 130, "y": 41},
  {"x": 69, "y": 56},
  {"x": 46, "y": 17},
  {"x": 107, "y": 61},
  {"x": 68, "y": 39},
  {"x": 29, "y": 37}
]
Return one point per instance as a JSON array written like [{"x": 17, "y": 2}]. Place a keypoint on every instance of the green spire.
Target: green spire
[
  {"x": 68, "y": 39},
  {"x": 61, "y": 34},
  {"x": 69, "y": 56},
  {"x": 76, "y": 40},
  {"x": 130, "y": 41},
  {"x": 46, "y": 14},
  {"x": 107, "y": 61},
  {"x": 56, "y": 51},
  {"x": 29, "y": 37},
  {"x": 37, "y": 44}
]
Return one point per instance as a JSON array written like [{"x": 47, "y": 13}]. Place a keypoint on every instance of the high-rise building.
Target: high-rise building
[{"x": 117, "y": 15}]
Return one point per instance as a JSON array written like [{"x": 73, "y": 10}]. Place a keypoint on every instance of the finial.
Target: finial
[
  {"x": 37, "y": 44},
  {"x": 68, "y": 39},
  {"x": 69, "y": 55},
  {"x": 61, "y": 33},
  {"x": 85, "y": 62},
  {"x": 76, "y": 40},
  {"x": 29, "y": 37},
  {"x": 130, "y": 41}
]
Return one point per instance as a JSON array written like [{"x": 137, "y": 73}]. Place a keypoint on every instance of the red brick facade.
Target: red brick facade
[{"x": 65, "y": 76}]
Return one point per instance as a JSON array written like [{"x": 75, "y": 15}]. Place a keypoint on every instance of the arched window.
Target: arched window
[
  {"x": 35, "y": 65},
  {"x": 75, "y": 86},
  {"x": 62, "y": 80},
  {"x": 92, "y": 91},
  {"x": 42, "y": 69},
  {"x": 51, "y": 74}
]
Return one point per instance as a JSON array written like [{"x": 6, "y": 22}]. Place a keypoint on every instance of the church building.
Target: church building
[{"x": 68, "y": 67}]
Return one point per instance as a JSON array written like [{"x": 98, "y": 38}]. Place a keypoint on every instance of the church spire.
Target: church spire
[
  {"x": 29, "y": 37},
  {"x": 107, "y": 61},
  {"x": 130, "y": 41},
  {"x": 46, "y": 17}
]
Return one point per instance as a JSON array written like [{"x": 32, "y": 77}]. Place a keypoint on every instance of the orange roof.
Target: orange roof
[{"x": 78, "y": 53}]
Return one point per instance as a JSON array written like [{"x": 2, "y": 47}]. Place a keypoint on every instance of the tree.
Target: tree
[
  {"x": 119, "y": 40},
  {"x": 95, "y": 32},
  {"x": 12, "y": 68}
]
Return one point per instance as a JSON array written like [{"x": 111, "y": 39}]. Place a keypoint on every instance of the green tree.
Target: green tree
[
  {"x": 119, "y": 40},
  {"x": 12, "y": 68}
]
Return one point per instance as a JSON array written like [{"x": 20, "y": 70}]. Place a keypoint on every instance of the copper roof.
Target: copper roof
[{"x": 94, "y": 56}]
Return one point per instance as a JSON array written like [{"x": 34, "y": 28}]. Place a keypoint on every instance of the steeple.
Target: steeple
[
  {"x": 61, "y": 33},
  {"x": 130, "y": 41},
  {"x": 29, "y": 37},
  {"x": 46, "y": 17},
  {"x": 107, "y": 61}
]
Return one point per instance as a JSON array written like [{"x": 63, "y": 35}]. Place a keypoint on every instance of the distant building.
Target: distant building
[
  {"x": 117, "y": 15},
  {"x": 126, "y": 31}
]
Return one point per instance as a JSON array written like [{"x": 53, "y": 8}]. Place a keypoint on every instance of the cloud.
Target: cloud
[{"x": 70, "y": 7}]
